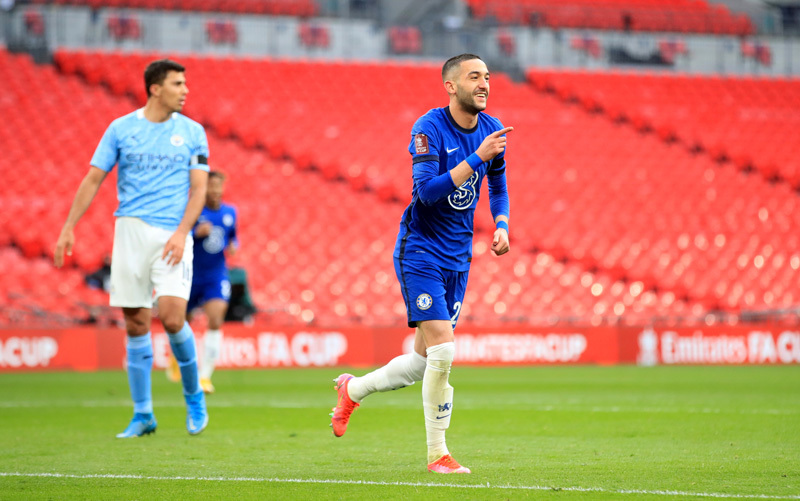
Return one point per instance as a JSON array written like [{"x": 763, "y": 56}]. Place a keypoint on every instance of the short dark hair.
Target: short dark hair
[
  {"x": 215, "y": 173},
  {"x": 454, "y": 61},
  {"x": 156, "y": 72}
]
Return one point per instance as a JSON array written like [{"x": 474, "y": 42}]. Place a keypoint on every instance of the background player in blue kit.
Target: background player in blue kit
[
  {"x": 452, "y": 149},
  {"x": 162, "y": 160},
  {"x": 214, "y": 237}
]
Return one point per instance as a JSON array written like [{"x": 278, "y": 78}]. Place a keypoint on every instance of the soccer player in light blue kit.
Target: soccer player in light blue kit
[
  {"x": 214, "y": 238},
  {"x": 162, "y": 158},
  {"x": 452, "y": 149}
]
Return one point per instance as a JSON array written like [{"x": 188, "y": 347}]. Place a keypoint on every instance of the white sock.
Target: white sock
[
  {"x": 400, "y": 372},
  {"x": 437, "y": 398},
  {"x": 213, "y": 347}
]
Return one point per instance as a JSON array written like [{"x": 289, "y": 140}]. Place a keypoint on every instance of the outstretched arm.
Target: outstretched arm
[
  {"x": 83, "y": 199},
  {"x": 198, "y": 183},
  {"x": 438, "y": 187},
  {"x": 493, "y": 145}
]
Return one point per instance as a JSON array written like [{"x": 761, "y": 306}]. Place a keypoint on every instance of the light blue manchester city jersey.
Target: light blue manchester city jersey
[{"x": 154, "y": 160}]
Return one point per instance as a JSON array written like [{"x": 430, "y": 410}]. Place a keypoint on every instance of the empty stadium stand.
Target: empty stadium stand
[
  {"x": 608, "y": 224},
  {"x": 302, "y": 8},
  {"x": 753, "y": 122},
  {"x": 405, "y": 40},
  {"x": 682, "y": 16},
  {"x": 34, "y": 294}
]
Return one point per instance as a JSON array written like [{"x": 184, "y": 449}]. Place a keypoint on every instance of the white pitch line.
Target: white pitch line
[
  {"x": 284, "y": 404},
  {"x": 127, "y": 403},
  {"x": 717, "y": 495}
]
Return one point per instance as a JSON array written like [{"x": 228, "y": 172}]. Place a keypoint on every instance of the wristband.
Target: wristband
[
  {"x": 474, "y": 161},
  {"x": 502, "y": 224}
]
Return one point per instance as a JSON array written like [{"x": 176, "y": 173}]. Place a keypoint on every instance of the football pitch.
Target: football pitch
[{"x": 579, "y": 432}]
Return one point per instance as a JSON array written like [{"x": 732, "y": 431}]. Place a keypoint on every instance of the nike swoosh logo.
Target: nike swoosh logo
[
  {"x": 452, "y": 150},
  {"x": 442, "y": 417}
]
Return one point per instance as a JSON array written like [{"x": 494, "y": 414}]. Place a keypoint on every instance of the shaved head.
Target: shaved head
[{"x": 454, "y": 63}]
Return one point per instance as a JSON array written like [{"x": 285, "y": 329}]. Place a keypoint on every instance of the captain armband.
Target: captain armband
[{"x": 199, "y": 160}]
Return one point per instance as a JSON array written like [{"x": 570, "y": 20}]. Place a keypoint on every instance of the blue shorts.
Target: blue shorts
[
  {"x": 202, "y": 292},
  {"x": 430, "y": 292}
]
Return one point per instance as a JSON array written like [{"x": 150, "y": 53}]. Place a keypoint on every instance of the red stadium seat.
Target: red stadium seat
[
  {"x": 665, "y": 15},
  {"x": 607, "y": 221}
]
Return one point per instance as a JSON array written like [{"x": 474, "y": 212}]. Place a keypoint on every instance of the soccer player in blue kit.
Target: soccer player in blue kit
[
  {"x": 214, "y": 237},
  {"x": 452, "y": 149},
  {"x": 162, "y": 159}
]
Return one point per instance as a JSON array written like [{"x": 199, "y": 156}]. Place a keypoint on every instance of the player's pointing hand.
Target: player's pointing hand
[
  {"x": 493, "y": 145},
  {"x": 500, "y": 132}
]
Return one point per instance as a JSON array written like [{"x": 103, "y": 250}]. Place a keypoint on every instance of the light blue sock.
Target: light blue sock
[
  {"x": 140, "y": 365},
  {"x": 182, "y": 343}
]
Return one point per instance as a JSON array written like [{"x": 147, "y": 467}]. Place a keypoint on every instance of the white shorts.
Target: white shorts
[{"x": 137, "y": 267}]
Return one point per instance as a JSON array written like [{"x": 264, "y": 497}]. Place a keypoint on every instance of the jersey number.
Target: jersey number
[{"x": 454, "y": 318}]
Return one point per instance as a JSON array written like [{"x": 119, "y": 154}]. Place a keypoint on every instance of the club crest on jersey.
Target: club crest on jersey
[
  {"x": 214, "y": 243},
  {"x": 463, "y": 197},
  {"x": 176, "y": 140},
  {"x": 227, "y": 220},
  {"x": 421, "y": 143},
  {"x": 424, "y": 301}
]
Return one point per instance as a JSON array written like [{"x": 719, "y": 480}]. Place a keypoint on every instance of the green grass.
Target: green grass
[{"x": 664, "y": 432}]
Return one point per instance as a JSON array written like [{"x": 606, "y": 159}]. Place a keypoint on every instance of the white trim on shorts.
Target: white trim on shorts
[{"x": 137, "y": 268}]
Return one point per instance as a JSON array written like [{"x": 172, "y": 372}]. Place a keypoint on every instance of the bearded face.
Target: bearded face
[
  {"x": 471, "y": 86},
  {"x": 472, "y": 100}
]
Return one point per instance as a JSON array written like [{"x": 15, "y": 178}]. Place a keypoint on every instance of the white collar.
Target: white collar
[{"x": 140, "y": 114}]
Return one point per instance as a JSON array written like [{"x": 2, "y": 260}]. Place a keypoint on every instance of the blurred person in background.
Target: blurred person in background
[
  {"x": 101, "y": 277},
  {"x": 452, "y": 149},
  {"x": 214, "y": 237},
  {"x": 162, "y": 159}
]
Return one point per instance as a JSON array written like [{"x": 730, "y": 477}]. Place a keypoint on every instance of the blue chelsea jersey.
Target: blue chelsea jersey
[
  {"x": 209, "y": 251},
  {"x": 154, "y": 160},
  {"x": 441, "y": 232}
]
